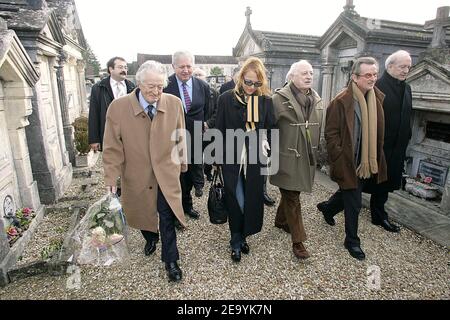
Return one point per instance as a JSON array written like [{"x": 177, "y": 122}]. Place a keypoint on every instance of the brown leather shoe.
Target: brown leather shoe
[
  {"x": 284, "y": 227},
  {"x": 300, "y": 251}
]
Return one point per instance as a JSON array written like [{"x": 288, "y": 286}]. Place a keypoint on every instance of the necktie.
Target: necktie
[
  {"x": 150, "y": 111},
  {"x": 119, "y": 91},
  {"x": 187, "y": 99}
]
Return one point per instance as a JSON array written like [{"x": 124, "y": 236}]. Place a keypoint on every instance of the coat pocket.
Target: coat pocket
[
  {"x": 287, "y": 163},
  {"x": 337, "y": 167}
]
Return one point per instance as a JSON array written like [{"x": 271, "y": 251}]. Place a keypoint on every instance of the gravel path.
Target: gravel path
[{"x": 411, "y": 266}]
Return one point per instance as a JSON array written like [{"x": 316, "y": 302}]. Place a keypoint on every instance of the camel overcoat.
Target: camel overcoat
[{"x": 146, "y": 154}]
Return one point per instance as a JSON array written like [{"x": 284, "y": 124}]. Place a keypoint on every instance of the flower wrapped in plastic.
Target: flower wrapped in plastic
[{"x": 101, "y": 236}]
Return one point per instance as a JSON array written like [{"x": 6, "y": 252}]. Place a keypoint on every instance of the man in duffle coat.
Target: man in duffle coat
[
  {"x": 145, "y": 145},
  {"x": 298, "y": 114}
]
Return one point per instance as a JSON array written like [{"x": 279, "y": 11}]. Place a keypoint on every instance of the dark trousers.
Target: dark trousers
[
  {"x": 193, "y": 177},
  {"x": 377, "y": 202},
  {"x": 236, "y": 221},
  {"x": 207, "y": 168},
  {"x": 169, "y": 250},
  {"x": 351, "y": 202}
]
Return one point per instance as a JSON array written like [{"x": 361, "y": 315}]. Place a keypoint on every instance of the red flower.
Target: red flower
[
  {"x": 12, "y": 231},
  {"x": 428, "y": 180}
]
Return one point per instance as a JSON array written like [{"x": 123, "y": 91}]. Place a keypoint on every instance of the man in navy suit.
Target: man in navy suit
[{"x": 195, "y": 96}]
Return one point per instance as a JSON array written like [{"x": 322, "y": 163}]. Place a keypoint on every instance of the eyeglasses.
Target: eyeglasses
[
  {"x": 122, "y": 67},
  {"x": 251, "y": 83},
  {"x": 368, "y": 75}
]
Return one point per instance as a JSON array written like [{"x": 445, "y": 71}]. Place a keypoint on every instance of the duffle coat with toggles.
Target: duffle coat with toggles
[{"x": 296, "y": 167}]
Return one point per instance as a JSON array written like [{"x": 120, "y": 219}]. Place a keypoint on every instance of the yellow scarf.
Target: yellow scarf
[
  {"x": 252, "y": 110},
  {"x": 369, "y": 164}
]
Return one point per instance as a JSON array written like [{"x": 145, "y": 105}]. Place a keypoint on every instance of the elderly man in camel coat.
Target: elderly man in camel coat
[{"x": 144, "y": 145}]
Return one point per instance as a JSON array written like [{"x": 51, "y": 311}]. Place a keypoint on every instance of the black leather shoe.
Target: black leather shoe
[
  {"x": 150, "y": 247},
  {"x": 328, "y": 218},
  {"x": 193, "y": 213},
  {"x": 356, "y": 252},
  {"x": 245, "y": 249},
  {"x": 236, "y": 255},
  {"x": 388, "y": 226},
  {"x": 173, "y": 271},
  {"x": 268, "y": 201},
  {"x": 198, "y": 192}
]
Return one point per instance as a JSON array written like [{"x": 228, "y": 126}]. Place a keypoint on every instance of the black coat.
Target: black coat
[
  {"x": 232, "y": 115},
  {"x": 101, "y": 97},
  {"x": 227, "y": 86},
  {"x": 199, "y": 103},
  {"x": 397, "y": 108},
  {"x": 212, "y": 108}
]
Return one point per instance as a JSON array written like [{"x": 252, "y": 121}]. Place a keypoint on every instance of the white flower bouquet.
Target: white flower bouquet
[{"x": 100, "y": 238}]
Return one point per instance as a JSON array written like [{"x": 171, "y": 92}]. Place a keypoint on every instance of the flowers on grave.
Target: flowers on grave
[
  {"x": 25, "y": 215},
  {"x": 19, "y": 222},
  {"x": 427, "y": 180},
  {"x": 13, "y": 234}
]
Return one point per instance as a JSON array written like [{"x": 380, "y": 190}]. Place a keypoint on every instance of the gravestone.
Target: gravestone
[
  {"x": 429, "y": 148},
  {"x": 4, "y": 245}
]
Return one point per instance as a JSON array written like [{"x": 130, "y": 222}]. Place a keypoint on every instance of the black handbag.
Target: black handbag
[{"x": 216, "y": 199}]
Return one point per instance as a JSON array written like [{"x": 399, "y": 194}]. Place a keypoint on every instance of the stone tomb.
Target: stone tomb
[
  {"x": 429, "y": 148},
  {"x": 17, "y": 187}
]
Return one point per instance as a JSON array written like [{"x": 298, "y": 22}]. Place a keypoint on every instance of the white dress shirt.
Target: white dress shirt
[{"x": 119, "y": 88}]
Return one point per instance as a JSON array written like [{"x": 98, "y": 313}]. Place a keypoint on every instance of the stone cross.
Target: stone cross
[
  {"x": 248, "y": 13},
  {"x": 349, "y": 5},
  {"x": 439, "y": 26}
]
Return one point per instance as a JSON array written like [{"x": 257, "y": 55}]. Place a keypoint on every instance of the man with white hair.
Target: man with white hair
[
  {"x": 298, "y": 115},
  {"x": 397, "y": 107},
  {"x": 194, "y": 93},
  {"x": 138, "y": 147}
]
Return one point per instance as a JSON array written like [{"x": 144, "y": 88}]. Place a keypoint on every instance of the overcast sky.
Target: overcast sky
[{"x": 213, "y": 27}]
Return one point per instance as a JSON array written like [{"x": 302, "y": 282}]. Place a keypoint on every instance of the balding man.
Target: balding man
[
  {"x": 298, "y": 114},
  {"x": 397, "y": 107}
]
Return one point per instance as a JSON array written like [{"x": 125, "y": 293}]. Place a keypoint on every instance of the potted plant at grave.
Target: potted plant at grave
[
  {"x": 25, "y": 215},
  {"x": 19, "y": 222},
  {"x": 80, "y": 126},
  {"x": 13, "y": 234}
]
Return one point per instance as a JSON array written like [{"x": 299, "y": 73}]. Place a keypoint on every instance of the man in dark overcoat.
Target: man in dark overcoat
[
  {"x": 102, "y": 94},
  {"x": 397, "y": 107},
  {"x": 194, "y": 93}
]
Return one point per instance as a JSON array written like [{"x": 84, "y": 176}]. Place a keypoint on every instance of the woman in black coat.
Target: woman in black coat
[{"x": 246, "y": 113}]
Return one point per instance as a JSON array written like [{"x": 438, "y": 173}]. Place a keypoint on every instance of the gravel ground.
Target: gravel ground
[{"x": 411, "y": 266}]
